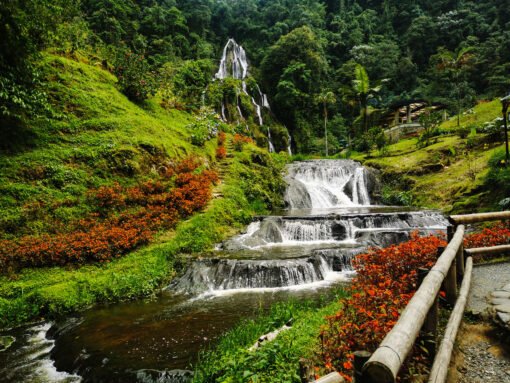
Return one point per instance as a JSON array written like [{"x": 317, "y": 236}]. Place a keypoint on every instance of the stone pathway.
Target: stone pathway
[
  {"x": 500, "y": 301},
  {"x": 486, "y": 280}
]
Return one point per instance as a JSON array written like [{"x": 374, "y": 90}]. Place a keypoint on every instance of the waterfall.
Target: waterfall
[
  {"x": 234, "y": 63},
  {"x": 234, "y": 56},
  {"x": 302, "y": 251},
  {"x": 322, "y": 184},
  {"x": 215, "y": 275},
  {"x": 367, "y": 229},
  {"x": 270, "y": 141},
  {"x": 289, "y": 146}
]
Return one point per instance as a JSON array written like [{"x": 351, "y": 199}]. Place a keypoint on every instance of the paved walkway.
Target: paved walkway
[
  {"x": 487, "y": 279},
  {"x": 500, "y": 301}
]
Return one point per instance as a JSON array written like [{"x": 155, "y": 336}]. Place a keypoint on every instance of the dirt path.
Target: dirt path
[
  {"x": 482, "y": 352},
  {"x": 482, "y": 355}
]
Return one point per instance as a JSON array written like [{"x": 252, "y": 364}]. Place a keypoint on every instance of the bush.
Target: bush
[
  {"x": 385, "y": 282},
  {"x": 221, "y": 153},
  {"x": 205, "y": 127},
  {"x": 136, "y": 80},
  {"x": 124, "y": 219}
]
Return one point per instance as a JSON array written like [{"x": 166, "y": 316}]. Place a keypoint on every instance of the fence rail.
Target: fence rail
[{"x": 420, "y": 315}]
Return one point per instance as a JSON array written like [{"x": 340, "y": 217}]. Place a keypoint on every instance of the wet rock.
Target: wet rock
[{"x": 6, "y": 342}]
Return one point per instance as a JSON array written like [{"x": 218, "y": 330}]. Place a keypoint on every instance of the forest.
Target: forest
[{"x": 347, "y": 59}]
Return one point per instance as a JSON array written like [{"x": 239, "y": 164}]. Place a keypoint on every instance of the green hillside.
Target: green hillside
[
  {"x": 100, "y": 138},
  {"x": 450, "y": 174}
]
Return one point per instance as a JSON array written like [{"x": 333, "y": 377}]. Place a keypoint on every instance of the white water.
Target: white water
[
  {"x": 32, "y": 361},
  {"x": 326, "y": 184},
  {"x": 234, "y": 64}
]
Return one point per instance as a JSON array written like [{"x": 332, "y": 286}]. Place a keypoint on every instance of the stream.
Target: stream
[{"x": 300, "y": 253}]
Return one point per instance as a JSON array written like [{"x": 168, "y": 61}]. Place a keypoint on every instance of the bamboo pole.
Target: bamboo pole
[
  {"x": 442, "y": 361},
  {"x": 387, "y": 360},
  {"x": 480, "y": 217},
  {"x": 334, "y": 377},
  {"x": 489, "y": 250},
  {"x": 429, "y": 330}
]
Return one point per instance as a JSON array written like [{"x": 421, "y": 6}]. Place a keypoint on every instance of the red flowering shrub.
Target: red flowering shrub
[
  {"x": 497, "y": 234},
  {"x": 385, "y": 282},
  {"x": 126, "y": 218},
  {"x": 221, "y": 153},
  {"x": 221, "y": 138},
  {"x": 239, "y": 141}
]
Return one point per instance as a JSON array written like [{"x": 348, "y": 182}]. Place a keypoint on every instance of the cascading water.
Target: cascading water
[
  {"x": 326, "y": 184},
  {"x": 234, "y": 64},
  {"x": 292, "y": 250}
]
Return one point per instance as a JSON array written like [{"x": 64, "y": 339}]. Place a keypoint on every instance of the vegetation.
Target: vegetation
[
  {"x": 448, "y": 52},
  {"x": 276, "y": 361},
  {"x": 454, "y": 168}
]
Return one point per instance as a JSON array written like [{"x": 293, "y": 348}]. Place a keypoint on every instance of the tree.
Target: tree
[
  {"x": 326, "y": 98},
  {"x": 364, "y": 92},
  {"x": 453, "y": 65}
]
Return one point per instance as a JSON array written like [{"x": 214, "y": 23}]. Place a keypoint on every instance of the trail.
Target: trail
[{"x": 482, "y": 353}]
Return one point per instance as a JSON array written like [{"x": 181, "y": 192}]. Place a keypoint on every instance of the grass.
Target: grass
[
  {"x": 276, "y": 361},
  {"x": 481, "y": 113}
]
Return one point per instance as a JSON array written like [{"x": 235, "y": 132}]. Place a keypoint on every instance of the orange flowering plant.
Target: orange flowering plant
[{"x": 125, "y": 218}]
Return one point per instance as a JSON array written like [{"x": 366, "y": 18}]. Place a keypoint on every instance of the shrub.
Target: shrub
[
  {"x": 221, "y": 153},
  {"x": 124, "y": 219},
  {"x": 385, "y": 282},
  {"x": 240, "y": 140},
  {"x": 136, "y": 80}
]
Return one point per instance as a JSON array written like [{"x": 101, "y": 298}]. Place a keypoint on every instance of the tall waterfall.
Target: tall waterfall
[
  {"x": 324, "y": 184},
  {"x": 234, "y": 64}
]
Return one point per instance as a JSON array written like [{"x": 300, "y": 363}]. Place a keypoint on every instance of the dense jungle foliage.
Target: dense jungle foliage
[{"x": 365, "y": 55}]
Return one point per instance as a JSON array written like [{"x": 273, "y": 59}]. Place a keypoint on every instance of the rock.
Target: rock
[
  {"x": 500, "y": 301},
  {"x": 6, "y": 342},
  {"x": 505, "y": 318},
  {"x": 503, "y": 308},
  {"x": 500, "y": 294},
  {"x": 507, "y": 288}
]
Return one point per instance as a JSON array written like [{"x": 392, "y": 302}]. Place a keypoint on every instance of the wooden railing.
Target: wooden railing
[{"x": 419, "y": 318}]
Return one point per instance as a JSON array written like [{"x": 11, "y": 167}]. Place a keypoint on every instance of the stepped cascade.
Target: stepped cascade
[
  {"x": 314, "y": 242},
  {"x": 327, "y": 184}
]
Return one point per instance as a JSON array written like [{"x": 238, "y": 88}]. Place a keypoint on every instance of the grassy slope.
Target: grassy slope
[
  {"x": 459, "y": 186},
  {"x": 101, "y": 138}
]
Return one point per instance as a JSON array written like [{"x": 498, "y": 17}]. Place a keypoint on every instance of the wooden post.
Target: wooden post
[
  {"x": 460, "y": 263},
  {"x": 360, "y": 358},
  {"x": 450, "y": 231},
  {"x": 439, "y": 371},
  {"x": 451, "y": 283},
  {"x": 506, "y": 103},
  {"x": 428, "y": 333}
]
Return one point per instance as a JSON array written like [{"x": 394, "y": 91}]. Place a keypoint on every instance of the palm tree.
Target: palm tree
[
  {"x": 364, "y": 92},
  {"x": 455, "y": 63},
  {"x": 326, "y": 98}
]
